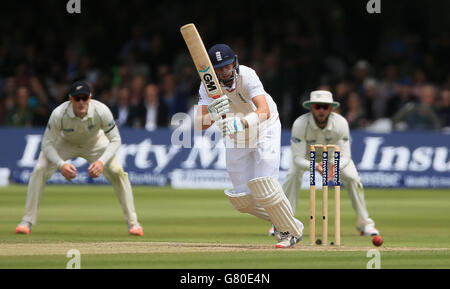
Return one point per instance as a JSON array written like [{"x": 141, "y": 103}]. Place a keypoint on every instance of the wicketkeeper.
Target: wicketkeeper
[
  {"x": 80, "y": 127},
  {"x": 322, "y": 126},
  {"x": 252, "y": 132}
]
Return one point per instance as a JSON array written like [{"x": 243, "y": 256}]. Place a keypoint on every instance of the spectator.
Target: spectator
[
  {"x": 443, "y": 110},
  {"x": 136, "y": 89},
  {"x": 161, "y": 71},
  {"x": 22, "y": 74},
  {"x": 40, "y": 101},
  {"x": 21, "y": 114},
  {"x": 401, "y": 98},
  {"x": 143, "y": 46},
  {"x": 71, "y": 63},
  {"x": 370, "y": 96},
  {"x": 158, "y": 55},
  {"x": 355, "y": 114},
  {"x": 419, "y": 82},
  {"x": 387, "y": 89},
  {"x": 419, "y": 116},
  {"x": 105, "y": 97},
  {"x": 7, "y": 97},
  {"x": 87, "y": 71},
  {"x": 188, "y": 83},
  {"x": 342, "y": 89},
  {"x": 122, "y": 111},
  {"x": 172, "y": 96},
  {"x": 153, "y": 113},
  {"x": 361, "y": 72}
]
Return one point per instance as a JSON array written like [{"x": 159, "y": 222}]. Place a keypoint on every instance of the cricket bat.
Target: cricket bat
[{"x": 201, "y": 60}]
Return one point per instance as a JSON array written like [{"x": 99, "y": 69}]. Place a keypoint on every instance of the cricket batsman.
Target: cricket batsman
[
  {"x": 80, "y": 127},
  {"x": 322, "y": 126},
  {"x": 252, "y": 132}
]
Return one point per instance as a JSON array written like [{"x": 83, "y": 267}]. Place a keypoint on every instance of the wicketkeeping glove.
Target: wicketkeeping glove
[
  {"x": 230, "y": 125},
  {"x": 219, "y": 107}
]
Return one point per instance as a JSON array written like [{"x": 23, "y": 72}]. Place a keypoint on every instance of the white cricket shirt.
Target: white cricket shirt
[
  {"x": 246, "y": 86},
  {"x": 82, "y": 132},
  {"x": 305, "y": 132}
]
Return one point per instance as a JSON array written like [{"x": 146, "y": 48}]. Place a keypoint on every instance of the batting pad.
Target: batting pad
[
  {"x": 269, "y": 194},
  {"x": 245, "y": 203}
]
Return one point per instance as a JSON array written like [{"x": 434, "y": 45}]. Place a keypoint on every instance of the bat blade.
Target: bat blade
[{"x": 201, "y": 60}]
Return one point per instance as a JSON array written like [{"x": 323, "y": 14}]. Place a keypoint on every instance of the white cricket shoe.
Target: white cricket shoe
[
  {"x": 23, "y": 228},
  {"x": 136, "y": 230},
  {"x": 288, "y": 240},
  {"x": 278, "y": 234},
  {"x": 369, "y": 230}
]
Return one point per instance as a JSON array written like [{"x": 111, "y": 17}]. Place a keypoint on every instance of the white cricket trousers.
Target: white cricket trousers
[
  {"x": 263, "y": 160},
  {"x": 349, "y": 178},
  {"x": 112, "y": 171}
]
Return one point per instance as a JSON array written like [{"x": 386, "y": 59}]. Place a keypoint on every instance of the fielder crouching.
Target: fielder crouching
[
  {"x": 80, "y": 127},
  {"x": 252, "y": 132},
  {"x": 322, "y": 126}
]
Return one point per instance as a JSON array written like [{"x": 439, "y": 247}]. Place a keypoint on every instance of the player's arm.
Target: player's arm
[
  {"x": 203, "y": 119},
  {"x": 114, "y": 144},
  {"x": 261, "y": 113},
  {"x": 112, "y": 133},
  {"x": 298, "y": 144},
  {"x": 251, "y": 120},
  {"x": 235, "y": 124},
  {"x": 256, "y": 92},
  {"x": 210, "y": 110},
  {"x": 344, "y": 143},
  {"x": 51, "y": 135}
]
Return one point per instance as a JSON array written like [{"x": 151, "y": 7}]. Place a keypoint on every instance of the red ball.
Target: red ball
[{"x": 377, "y": 240}]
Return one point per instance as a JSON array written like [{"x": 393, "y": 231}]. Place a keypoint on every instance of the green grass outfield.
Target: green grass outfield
[{"x": 187, "y": 229}]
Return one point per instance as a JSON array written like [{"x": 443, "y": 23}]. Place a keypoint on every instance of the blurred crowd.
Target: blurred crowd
[{"x": 141, "y": 68}]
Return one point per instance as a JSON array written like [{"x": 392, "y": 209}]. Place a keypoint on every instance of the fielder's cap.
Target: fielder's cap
[
  {"x": 320, "y": 96},
  {"x": 221, "y": 55},
  {"x": 80, "y": 87}
]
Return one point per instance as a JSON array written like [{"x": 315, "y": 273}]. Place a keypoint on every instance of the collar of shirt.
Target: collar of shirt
[
  {"x": 151, "y": 106},
  {"x": 90, "y": 112}
]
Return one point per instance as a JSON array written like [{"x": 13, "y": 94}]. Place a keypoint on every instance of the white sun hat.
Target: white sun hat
[{"x": 320, "y": 96}]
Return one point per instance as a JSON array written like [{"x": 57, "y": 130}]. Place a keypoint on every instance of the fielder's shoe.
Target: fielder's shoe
[
  {"x": 23, "y": 228},
  {"x": 136, "y": 230},
  {"x": 287, "y": 240},
  {"x": 369, "y": 231}
]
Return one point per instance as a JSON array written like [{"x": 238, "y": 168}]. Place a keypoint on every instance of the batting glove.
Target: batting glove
[
  {"x": 231, "y": 125},
  {"x": 219, "y": 107}
]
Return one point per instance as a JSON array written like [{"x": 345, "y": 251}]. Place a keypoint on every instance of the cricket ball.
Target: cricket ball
[
  {"x": 318, "y": 242},
  {"x": 377, "y": 240}
]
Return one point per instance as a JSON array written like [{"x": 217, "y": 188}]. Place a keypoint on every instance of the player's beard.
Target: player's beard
[
  {"x": 321, "y": 123},
  {"x": 229, "y": 80}
]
